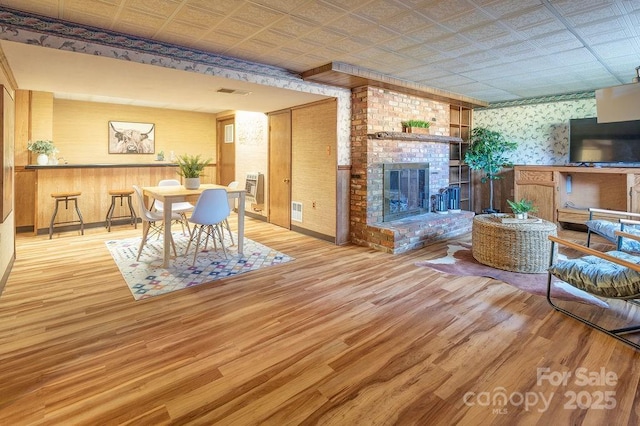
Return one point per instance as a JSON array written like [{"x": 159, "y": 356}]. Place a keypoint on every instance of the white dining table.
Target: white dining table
[{"x": 170, "y": 194}]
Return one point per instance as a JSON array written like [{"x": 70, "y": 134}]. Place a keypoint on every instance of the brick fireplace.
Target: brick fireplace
[{"x": 377, "y": 140}]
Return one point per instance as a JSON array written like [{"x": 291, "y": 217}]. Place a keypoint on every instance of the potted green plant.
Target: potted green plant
[
  {"x": 415, "y": 126},
  {"x": 487, "y": 152},
  {"x": 522, "y": 208},
  {"x": 43, "y": 148},
  {"x": 190, "y": 167}
]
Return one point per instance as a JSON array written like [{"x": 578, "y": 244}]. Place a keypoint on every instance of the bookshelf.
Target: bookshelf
[{"x": 459, "y": 174}]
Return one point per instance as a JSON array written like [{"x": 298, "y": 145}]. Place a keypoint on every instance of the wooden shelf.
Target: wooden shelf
[{"x": 459, "y": 173}]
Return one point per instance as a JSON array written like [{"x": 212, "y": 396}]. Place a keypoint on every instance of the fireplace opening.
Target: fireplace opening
[{"x": 406, "y": 190}]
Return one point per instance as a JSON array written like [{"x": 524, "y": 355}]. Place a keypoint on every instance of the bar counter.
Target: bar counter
[{"x": 94, "y": 181}]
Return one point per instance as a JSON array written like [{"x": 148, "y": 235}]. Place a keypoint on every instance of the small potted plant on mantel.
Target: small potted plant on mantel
[
  {"x": 522, "y": 208},
  {"x": 191, "y": 167},
  {"x": 416, "y": 126}
]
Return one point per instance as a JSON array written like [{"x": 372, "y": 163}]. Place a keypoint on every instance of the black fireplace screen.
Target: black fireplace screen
[{"x": 406, "y": 190}]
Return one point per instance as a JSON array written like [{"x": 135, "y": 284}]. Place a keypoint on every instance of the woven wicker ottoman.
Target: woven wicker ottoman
[{"x": 516, "y": 247}]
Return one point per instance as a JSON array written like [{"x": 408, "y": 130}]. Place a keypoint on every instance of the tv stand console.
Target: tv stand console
[{"x": 562, "y": 194}]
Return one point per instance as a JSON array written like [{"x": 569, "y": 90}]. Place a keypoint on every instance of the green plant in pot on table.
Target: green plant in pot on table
[
  {"x": 522, "y": 208},
  {"x": 44, "y": 148},
  {"x": 487, "y": 152},
  {"x": 191, "y": 167}
]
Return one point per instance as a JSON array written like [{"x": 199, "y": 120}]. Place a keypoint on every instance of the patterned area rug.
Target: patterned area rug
[
  {"x": 460, "y": 261},
  {"x": 148, "y": 278}
]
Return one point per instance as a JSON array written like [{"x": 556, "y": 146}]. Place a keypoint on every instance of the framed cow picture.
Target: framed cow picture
[{"x": 131, "y": 138}]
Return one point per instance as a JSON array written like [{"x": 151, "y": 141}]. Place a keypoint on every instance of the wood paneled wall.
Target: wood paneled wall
[
  {"x": 314, "y": 165},
  {"x": 94, "y": 184}
]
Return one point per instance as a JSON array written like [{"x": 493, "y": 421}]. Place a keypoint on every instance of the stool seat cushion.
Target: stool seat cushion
[
  {"x": 66, "y": 194},
  {"x": 599, "y": 276},
  {"x": 120, "y": 191}
]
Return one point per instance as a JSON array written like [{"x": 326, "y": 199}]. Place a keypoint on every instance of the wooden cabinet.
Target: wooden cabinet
[
  {"x": 459, "y": 173},
  {"x": 563, "y": 194}
]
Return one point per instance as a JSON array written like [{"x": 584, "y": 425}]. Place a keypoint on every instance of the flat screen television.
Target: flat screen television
[{"x": 593, "y": 142}]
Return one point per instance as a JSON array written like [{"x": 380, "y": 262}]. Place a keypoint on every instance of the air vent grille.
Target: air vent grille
[{"x": 296, "y": 211}]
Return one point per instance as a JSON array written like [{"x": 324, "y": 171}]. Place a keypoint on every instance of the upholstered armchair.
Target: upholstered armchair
[
  {"x": 610, "y": 275},
  {"x": 606, "y": 222}
]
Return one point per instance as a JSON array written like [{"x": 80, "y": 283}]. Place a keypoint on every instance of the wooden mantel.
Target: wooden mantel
[{"x": 403, "y": 136}]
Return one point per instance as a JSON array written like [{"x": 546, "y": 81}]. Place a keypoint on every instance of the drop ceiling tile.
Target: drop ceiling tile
[
  {"x": 319, "y": 13},
  {"x": 237, "y": 27},
  {"x": 183, "y": 31},
  {"x": 350, "y": 45},
  {"x": 198, "y": 17},
  {"x": 324, "y": 36},
  {"x": 163, "y": 8},
  {"x": 376, "y": 34},
  {"x": 132, "y": 18},
  {"x": 273, "y": 37},
  {"x": 222, "y": 7},
  {"x": 428, "y": 34},
  {"x": 619, "y": 48},
  {"x": 529, "y": 18},
  {"x": 502, "y": 8},
  {"x": 466, "y": 21},
  {"x": 348, "y": 5},
  {"x": 95, "y": 20},
  {"x": 350, "y": 24},
  {"x": 278, "y": 5},
  {"x": 379, "y": 11},
  {"x": 436, "y": 9},
  {"x": 222, "y": 39},
  {"x": 257, "y": 15},
  {"x": 484, "y": 32},
  {"x": 95, "y": 8},
  {"x": 293, "y": 26},
  {"x": 407, "y": 22},
  {"x": 397, "y": 44}
]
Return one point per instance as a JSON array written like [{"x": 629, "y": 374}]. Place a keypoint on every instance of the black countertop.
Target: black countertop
[{"x": 99, "y": 165}]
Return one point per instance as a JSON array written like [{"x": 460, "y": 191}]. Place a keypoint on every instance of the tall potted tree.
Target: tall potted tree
[{"x": 487, "y": 153}]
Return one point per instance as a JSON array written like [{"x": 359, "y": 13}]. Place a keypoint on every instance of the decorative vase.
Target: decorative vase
[
  {"x": 192, "y": 183},
  {"x": 42, "y": 159},
  {"x": 522, "y": 215}
]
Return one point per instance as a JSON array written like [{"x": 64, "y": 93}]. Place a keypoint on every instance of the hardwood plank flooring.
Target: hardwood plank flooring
[{"x": 343, "y": 335}]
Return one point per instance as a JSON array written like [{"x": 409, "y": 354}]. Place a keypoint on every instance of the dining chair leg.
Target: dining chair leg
[{"x": 145, "y": 232}]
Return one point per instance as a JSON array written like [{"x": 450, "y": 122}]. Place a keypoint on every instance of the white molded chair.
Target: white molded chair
[
  {"x": 232, "y": 206},
  {"x": 180, "y": 207},
  {"x": 150, "y": 220},
  {"x": 209, "y": 215}
]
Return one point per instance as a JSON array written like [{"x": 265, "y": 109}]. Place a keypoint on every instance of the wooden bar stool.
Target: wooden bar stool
[
  {"x": 121, "y": 194},
  {"x": 65, "y": 197}
]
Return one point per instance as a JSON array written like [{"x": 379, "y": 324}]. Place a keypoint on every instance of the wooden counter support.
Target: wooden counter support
[
  {"x": 94, "y": 181},
  {"x": 563, "y": 194}
]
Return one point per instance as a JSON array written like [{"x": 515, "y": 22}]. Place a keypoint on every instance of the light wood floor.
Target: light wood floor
[{"x": 340, "y": 336}]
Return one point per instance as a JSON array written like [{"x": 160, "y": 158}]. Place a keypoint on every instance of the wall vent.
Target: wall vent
[{"x": 296, "y": 211}]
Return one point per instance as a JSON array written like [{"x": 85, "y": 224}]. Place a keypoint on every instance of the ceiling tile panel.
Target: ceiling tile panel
[
  {"x": 350, "y": 24},
  {"x": 319, "y": 13},
  {"x": 198, "y": 17},
  {"x": 222, "y": 7},
  {"x": 460, "y": 22},
  {"x": 484, "y": 32},
  {"x": 163, "y": 8},
  {"x": 294, "y": 27},
  {"x": 502, "y": 8},
  {"x": 348, "y": 5},
  {"x": 324, "y": 36},
  {"x": 436, "y": 9},
  {"x": 398, "y": 43},
  {"x": 237, "y": 27},
  {"x": 379, "y": 11},
  {"x": 406, "y": 22},
  {"x": 531, "y": 17},
  {"x": 430, "y": 33},
  {"x": 257, "y": 15}
]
